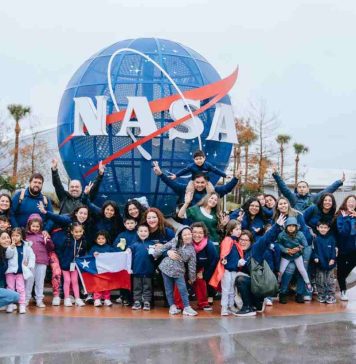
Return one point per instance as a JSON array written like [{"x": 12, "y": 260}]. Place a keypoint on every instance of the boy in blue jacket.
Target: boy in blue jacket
[
  {"x": 324, "y": 256},
  {"x": 125, "y": 239},
  {"x": 142, "y": 269}
]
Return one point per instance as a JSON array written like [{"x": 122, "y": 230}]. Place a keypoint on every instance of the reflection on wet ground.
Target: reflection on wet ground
[{"x": 331, "y": 342}]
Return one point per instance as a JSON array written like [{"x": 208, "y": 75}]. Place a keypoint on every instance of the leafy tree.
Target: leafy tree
[{"x": 298, "y": 150}]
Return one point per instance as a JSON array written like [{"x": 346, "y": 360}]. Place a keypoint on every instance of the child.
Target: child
[
  {"x": 226, "y": 271},
  {"x": 41, "y": 247},
  {"x": 101, "y": 246},
  {"x": 123, "y": 241},
  {"x": 74, "y": 247},
  {"x": 4, "y": 223},
  {"x": 143, "y": 269},
  {"x": 292, "y": 242},
  {"x": 200, "y": 165},
  {"x": 324, "y": 256},
  {"x": 21, "y": 261},
  {"x": 173, "y": 270}
]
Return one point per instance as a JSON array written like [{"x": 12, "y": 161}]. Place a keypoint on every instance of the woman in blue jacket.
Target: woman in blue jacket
[{"x": 346, "y": 242}]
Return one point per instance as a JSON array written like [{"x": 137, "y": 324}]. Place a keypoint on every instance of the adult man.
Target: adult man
[
  {"x": 25, "y": 201},
  {"x": 72, "y": 198},
  {"x": 301, "y": 198},
  {"x": 200, "y": 183}
]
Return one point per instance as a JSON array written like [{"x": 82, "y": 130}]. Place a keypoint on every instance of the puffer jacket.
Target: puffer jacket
[{"x": 28, "y": 255}]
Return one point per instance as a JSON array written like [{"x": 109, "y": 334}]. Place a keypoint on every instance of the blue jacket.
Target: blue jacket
[
  {"x": 142, "y": 262},
  {"x": 207, "y": 259},
  {"x": 312, "y": 215},
  {"x": 193, "y": 169},
  {"x": 232, "y": 258},
  {"x": 70, "y": 250},
  {"x": 106, "y": 248},
  {"x": 179, "y": 189},
  {"x": 346, "y": 234},
  {"x": 268, "y": 213},
  {"x": 299, "y": 202},
  {"x": 21, "y": 211},
  {"x": 273, "y": 257},
  {"x": 251, "y": 225},
  {"x": 324, "y": 250},
  {"x": 128, "y": 236},
  {"x": 157, "y": 237}
]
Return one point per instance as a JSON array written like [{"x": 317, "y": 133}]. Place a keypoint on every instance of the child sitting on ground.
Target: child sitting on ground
[
  {"x": 324, "y": 256},
  {"x": 292, "y": 242}
]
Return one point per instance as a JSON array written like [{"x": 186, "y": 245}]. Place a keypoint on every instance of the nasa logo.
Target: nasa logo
[{"x": 146, "y": 126}]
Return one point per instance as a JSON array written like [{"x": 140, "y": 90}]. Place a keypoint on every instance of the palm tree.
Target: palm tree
[
  {"x": 298, "y": 149},
  {"x": 18, "y": 112},
  {"x": 282, "y": 139}
]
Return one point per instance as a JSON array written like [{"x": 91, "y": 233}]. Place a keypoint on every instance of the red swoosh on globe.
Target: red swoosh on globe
[{"x": 218, "y": 89}]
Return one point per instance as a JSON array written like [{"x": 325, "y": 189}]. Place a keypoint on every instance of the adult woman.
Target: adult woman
[
  {"x": 346, "y": 241},
  {"x": 207, "y": 258},
  {"x": 134, "y": 209},
  {"x": 207, "y": 211},
  {"x": 283, "y": 207},
  {"x": 5, "y": 208},
  {"x": 160, "y": 230},
  {"x": 324, "y": 211},
  {"x": 251, "y": 216},
  {"x": 251, "y": 303}
]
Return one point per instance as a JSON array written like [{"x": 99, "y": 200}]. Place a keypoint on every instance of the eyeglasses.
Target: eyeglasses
[{"x": 242, "y": 239}]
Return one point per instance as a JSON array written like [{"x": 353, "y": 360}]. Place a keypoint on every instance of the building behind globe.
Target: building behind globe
[{"x": 131, "y": 175}]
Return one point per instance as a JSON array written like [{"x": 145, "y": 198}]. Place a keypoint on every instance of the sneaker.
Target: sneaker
[
  {"x": 56, "y": 301},
  {"x": 260, "y": 307},
  {"x": 126, "y": 302},
  {"x": 173, "y": 310},
  {"x": 207, "y": 308},
  {"x": 72, "y": 299},
  {"x": 343, "y": 296},
  {"x": 330, "y": 300},
  {"x": 245, "y": 312},
  {"x": 107, "y": 303},
  {"x": 27, "y": 303},
  {"x": 268, "y": 302},
  {"x": 188, "y": 311},
  {"x": 97, "y": 303},
  {"x": 146, "y": 306},
  {"x": 68, "y": 302},
  {"x": 225, "y": 311},
  {"x": 10, "y": 308},
  {"x": 22, "y": 308},
  {"x": 119, "y": 301},
  {"x": 307, "y": 298},
  {"x": 79, "y": 302},
  {"x": 136, "y": 305},
  {"x": 89, "y": 299},
  {"x": 283, "y": 298},
  {"x": 321, "y": 299},
  {"x": 232, "y": 309},
  {"x": 210, "y": 300},
  {"x": 299, "y": 298},
  {"x": 40, "y": 304}
]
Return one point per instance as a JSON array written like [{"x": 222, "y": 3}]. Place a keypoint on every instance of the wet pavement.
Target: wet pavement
[{"x": 118, "y": 335}]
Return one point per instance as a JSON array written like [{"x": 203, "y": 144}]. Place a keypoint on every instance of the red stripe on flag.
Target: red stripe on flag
[{"x": 107, "y": 281}]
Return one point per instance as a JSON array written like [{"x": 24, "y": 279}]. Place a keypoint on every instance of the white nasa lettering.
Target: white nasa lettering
[
  {"x": 177, "y": 111},
  {"x": 145, "y": 121},
  {"x": 223, "y": 125},
  {"x": 85, "y": 114}
]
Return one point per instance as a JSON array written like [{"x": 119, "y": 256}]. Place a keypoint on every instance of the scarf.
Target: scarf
[{"x": 200, "y": 246}]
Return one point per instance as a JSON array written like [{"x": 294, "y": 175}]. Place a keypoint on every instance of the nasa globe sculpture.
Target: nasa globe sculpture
[{"x": 139, "y": 101}]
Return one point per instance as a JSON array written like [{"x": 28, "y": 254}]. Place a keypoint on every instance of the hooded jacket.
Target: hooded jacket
[{"x": 28, "y": 256}]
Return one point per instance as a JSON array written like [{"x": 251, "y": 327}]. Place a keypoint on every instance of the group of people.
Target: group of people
[{"x": 302, "y": 236}]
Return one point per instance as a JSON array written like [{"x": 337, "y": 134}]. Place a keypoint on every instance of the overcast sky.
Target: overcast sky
[{"x": 299, "y": 56}]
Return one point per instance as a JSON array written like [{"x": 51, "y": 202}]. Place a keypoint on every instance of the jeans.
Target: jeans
[
  {"x": 243, "y": 285},
  {"x": 7, "y": 296},
  {"x": 290, "y": 270},
  {"x": 142, "y": 289},
  {"x": 169, "y": 283}
]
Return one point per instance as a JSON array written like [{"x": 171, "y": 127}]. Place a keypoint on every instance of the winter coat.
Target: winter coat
[
  {"x": 285, "y": 242},
  {"x": 346, "y": 234},
  {"x": 125, "y": 239},
  {"x": 207, "y": 259},
  {"x": 28, "y": 256},
  {"x": 205, "y": 168},
  {"x": 41, "y": 247},
  {"x": 312, "y": 215},
  {"x": 324, "y": 250},
  {"x": 71, "y": 249},
  {"x": 106, "y": 248},
  {"x": 68, "y": 203},
  {"x": 300, "y": 202},
  {"x": 176, "y": 268},
  {"x": 142, "y": 262},
  {"x": 22, "y": 210},
  {"x": 250, "y": 224}
]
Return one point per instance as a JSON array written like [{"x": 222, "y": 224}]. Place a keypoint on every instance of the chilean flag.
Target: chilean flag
[{"x": 105, "y": 271}]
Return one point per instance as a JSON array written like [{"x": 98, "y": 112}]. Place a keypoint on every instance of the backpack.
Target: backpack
[
  {"x": 263, "y": 281},
  {"x": 22, "y": 196}
]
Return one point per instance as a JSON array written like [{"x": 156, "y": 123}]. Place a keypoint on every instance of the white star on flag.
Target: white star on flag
[{"x": 85, "y": 264}]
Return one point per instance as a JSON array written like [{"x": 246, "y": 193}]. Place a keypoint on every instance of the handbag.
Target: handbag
[{"x": 263, "y": 281}]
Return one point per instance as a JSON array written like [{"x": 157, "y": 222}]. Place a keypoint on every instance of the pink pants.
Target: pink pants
[
  {"x": 56, "y": 273},
  {"x": 103, "y": 295},
  {"x": 16, "y": 282},
  {"x": 70, "y": 278}
]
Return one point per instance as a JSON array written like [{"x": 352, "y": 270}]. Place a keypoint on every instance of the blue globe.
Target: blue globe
[{"x": 131, "y": 175}]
